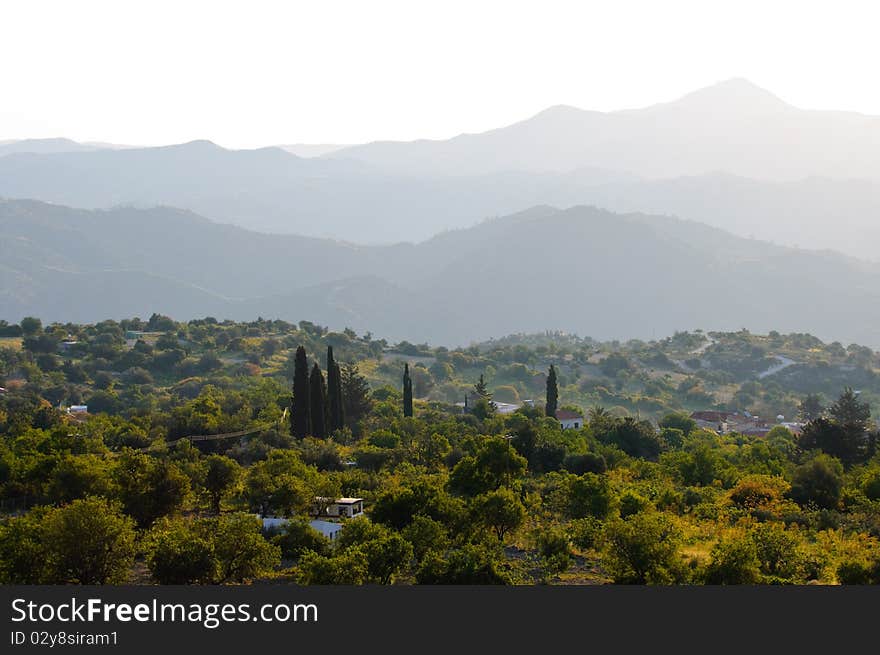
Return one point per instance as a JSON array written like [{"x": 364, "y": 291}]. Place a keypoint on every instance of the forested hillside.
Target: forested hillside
[
  {"x": 147, "y": 451},
  {"x": 580, "y": 270}
]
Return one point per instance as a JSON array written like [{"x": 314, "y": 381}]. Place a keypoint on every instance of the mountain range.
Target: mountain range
[
  {"x": 734, "y": 126},
  {"x": 581, "y": 269},
  {"x": 732, "y": 155}
]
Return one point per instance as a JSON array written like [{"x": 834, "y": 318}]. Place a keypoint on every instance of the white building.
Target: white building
[
  {"x": 78, "y": 409},
  {"x": 326, "y": 528},
  {"x": 346, "y": 508},
  {"x": 569, "y": 420}
]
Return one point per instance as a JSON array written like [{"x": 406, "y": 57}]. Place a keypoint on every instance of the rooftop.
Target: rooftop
[
  {"x": 566, "y": 415},
  {"x": 339, "y": 501}
]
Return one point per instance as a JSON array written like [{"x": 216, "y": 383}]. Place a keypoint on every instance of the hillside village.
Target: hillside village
[{"x": 334, "y": 457}]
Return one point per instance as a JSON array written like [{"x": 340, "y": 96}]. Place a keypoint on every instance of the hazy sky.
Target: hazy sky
[{"x": 253, "y": 73}]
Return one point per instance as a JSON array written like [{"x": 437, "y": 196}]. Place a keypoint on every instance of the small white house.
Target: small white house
[
  {"x": 345, "y": 508},
  {"x": 78, "y": 409},
  {"x": 569, "y": 420},
  {"x": 326, "y": 528}
]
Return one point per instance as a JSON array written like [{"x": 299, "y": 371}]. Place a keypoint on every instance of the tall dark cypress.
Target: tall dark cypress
[
  {"x": 300, "y": 410},
  {"x": 552, "y": 393},
  {"x": 318, "y": 395},
  {"x": 407, "y": 392},
  {"x": 334, "y": 393}
]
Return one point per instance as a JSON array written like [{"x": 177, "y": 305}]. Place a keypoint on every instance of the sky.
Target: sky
[{"x": 254, "y": 73}]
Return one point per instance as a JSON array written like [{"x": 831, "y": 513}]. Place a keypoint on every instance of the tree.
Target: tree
[
  {"x": 23, "y": 553},
  {"x": 818, "y": 482},
  {"x": 407, "y": 392},
  {"x": 180, "y": 551},
  {"x": 500, "y": 510},
  {"x": 334, "y": 393},
  {"x": 635, "y": 438},
  {"x": 347, "y": 568},
  {"x": 494, "y": 465},
  {"x": 221, "y": 477},
  {"x": 811, "y": 407},
  {"x": 149, "y": 488},
  {"x": 643, "y": 549},
  {"x": 481, "y": 390},
  {"x": 241, "y": 551},
  {"x": 78, "y": 476},
  {"x": 300, "y": 410},
  {"x": 849, "y": 410},
  {"x": 586, "y": 463},
  {"x": 317, "y": 394},
  {"x": 678, "y": 421},
  {"x": 297, "y": 537},
  {"x": 31, "y": 326},
  {"x": 552, "y": 401},
  {"x": 849, "y": 442},
  {"x": 356, "y": 401},
  {"x": 386, "y": 556},
  {"x": 426, "y": 535},
  {"x": 89, "y": 542}
]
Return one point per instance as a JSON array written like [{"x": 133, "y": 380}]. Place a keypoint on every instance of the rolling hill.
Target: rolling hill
[{"x": 580, "y": 270}]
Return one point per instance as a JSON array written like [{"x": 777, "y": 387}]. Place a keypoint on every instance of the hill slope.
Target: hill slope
[{"x": 582, "y": 270}]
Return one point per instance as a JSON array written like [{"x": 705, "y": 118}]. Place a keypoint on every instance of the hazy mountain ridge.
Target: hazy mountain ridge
[
  {"x": 733, "y": 126},
  {"x": 390, "y": 192},
  {"x": 581, "y": 270}
]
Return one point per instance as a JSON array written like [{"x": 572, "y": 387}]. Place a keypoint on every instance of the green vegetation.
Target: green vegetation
[{"x": 196, "y": 430}]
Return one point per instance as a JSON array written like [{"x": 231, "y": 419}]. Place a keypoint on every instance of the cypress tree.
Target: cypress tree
[
  {"x": 482, "y": 390},
  {"x": 552, "y": 393},
  {"x": 407, "y": 392},
  {"x": 318, "y": 394},
  {"x": 356, "y": 399},
  {"x": 334, "y": 393},
  {"x": 300, "y": 409}
]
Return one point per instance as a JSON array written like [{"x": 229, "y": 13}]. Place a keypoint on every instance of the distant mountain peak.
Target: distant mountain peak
[
  {"x": 735, "y": 94},
  {"x": 200, "y": 144}
]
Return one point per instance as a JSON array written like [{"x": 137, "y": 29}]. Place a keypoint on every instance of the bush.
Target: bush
[
  {"x": 473, "y": 564},
  {"x": 632, "y": 503},
  {"x": 585, "y": 533},
  {"x": 778, "y": 551},
  {"x": 643, "y": 549},
  {"x": 588, "y": 495},
  {"x": 553, "y": 549},
  {"x": 854, "y": 572},
  {"x": 756, "y": 491},
  {"x": 733, "y": 562},
  {"x": 871, "y": 484},
  {"x": 347, "y": 568}
]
